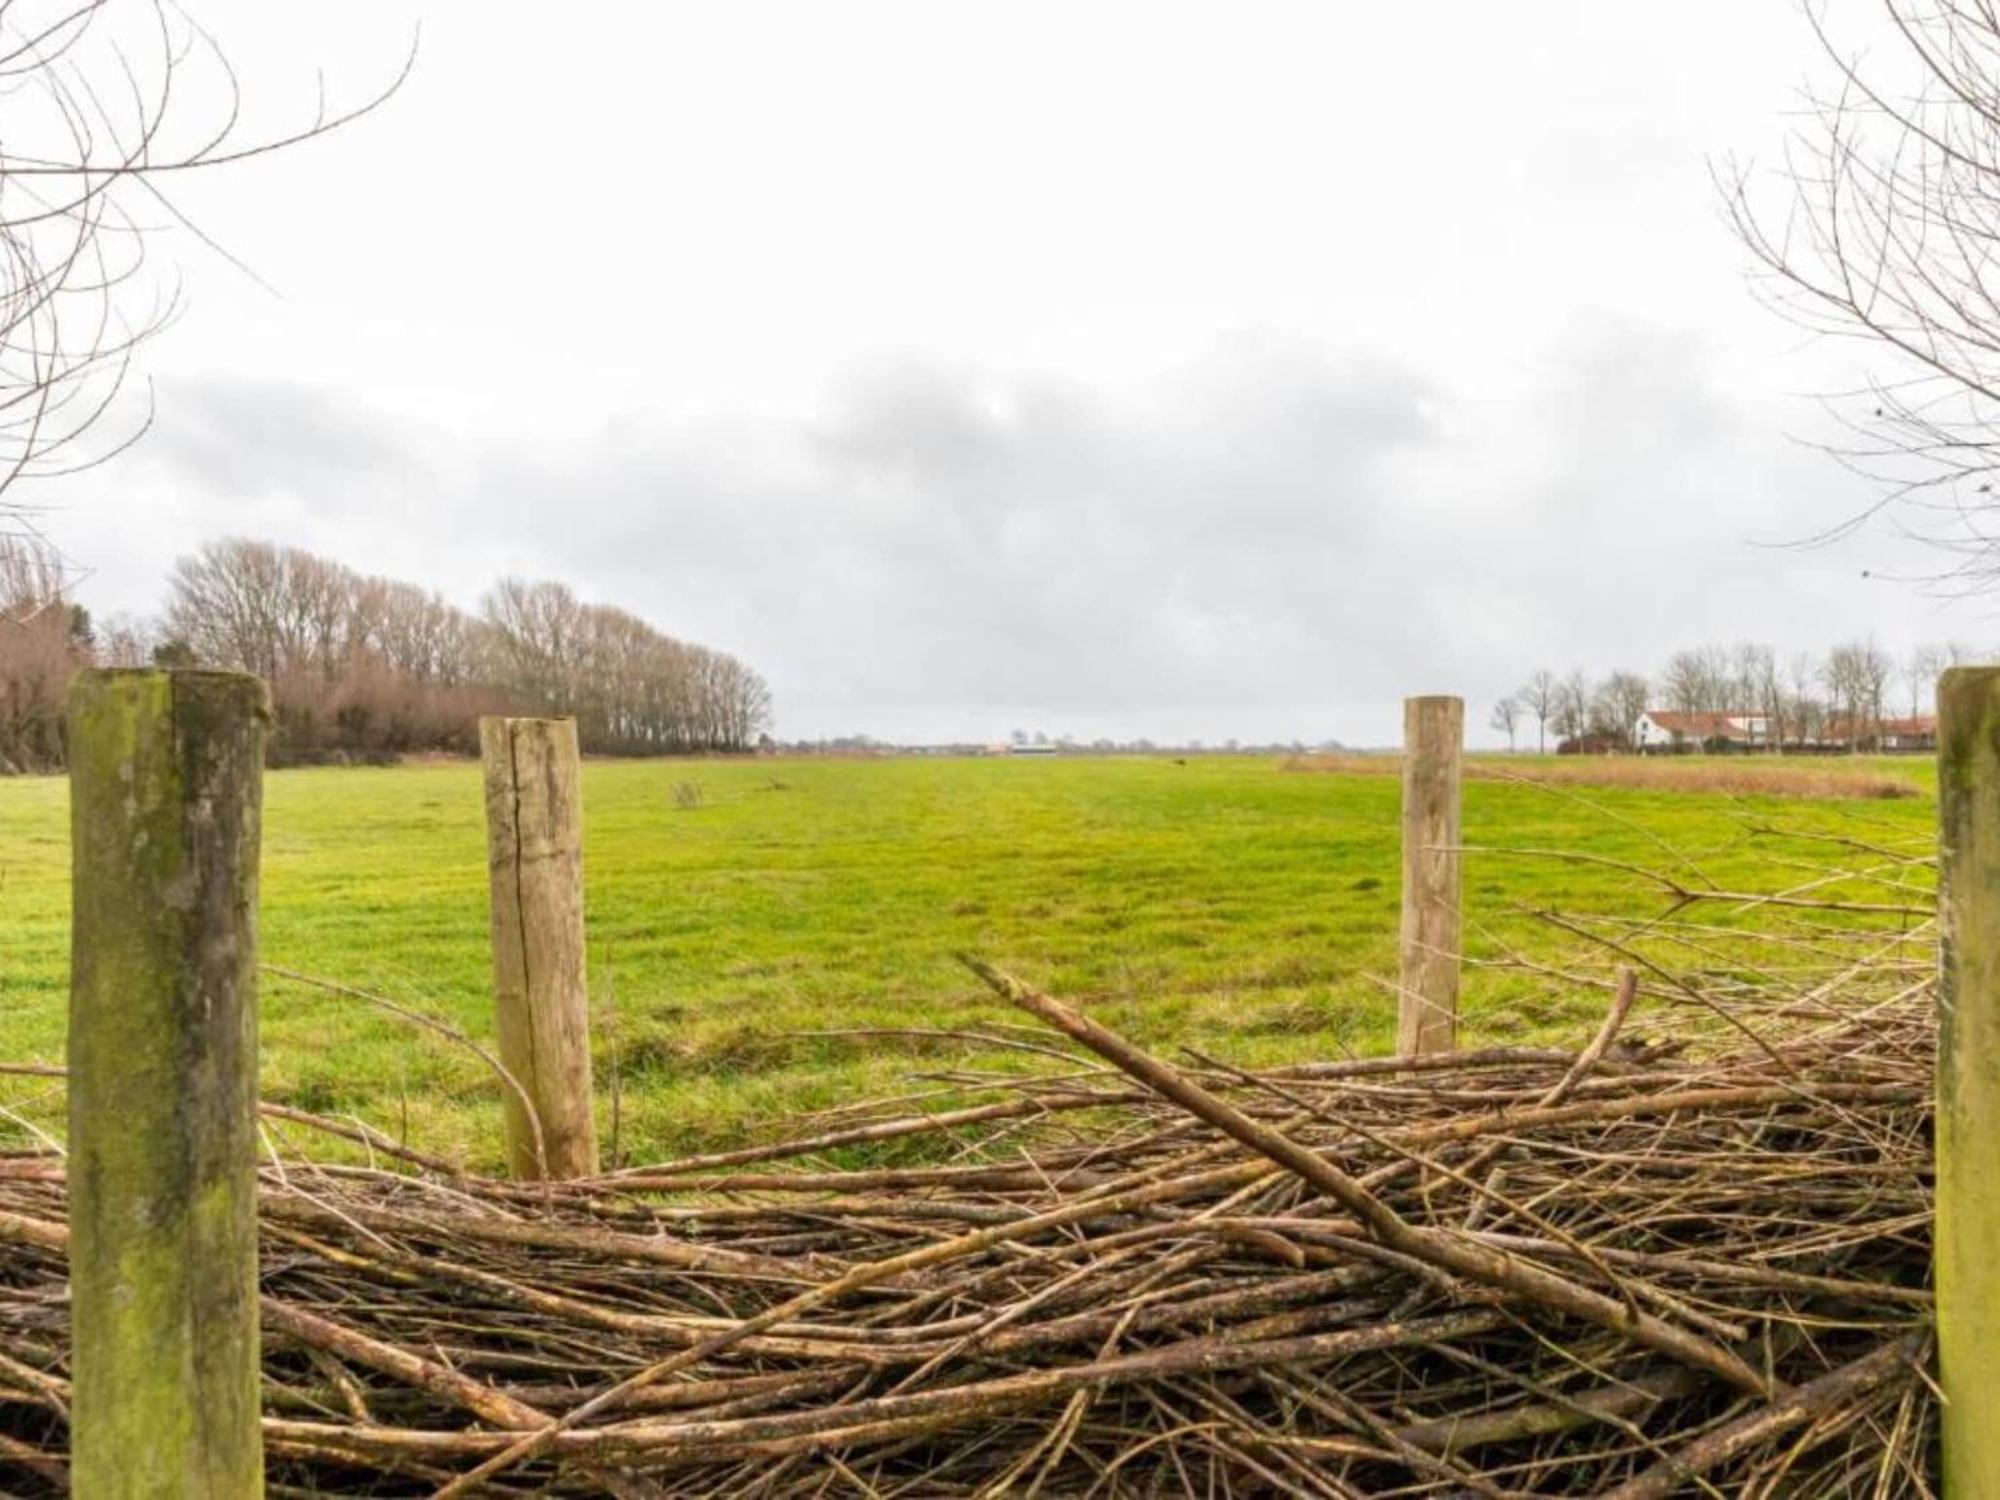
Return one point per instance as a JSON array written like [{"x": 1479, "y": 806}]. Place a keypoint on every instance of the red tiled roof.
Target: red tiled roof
[
  {"x": 1922, "y": 724},
  {"x": 1701, "y": 726}
]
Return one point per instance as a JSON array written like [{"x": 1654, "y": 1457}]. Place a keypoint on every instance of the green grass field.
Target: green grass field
[{"x": 1225, "y": 904}]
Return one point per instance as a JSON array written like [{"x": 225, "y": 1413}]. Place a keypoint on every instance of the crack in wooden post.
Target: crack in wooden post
[{"x": 534, "y": 828}]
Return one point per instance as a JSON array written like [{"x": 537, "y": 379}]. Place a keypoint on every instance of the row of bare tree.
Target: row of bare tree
[
  {"x": 1843, "y": 696},
  {"x": 372, "y": 668}
]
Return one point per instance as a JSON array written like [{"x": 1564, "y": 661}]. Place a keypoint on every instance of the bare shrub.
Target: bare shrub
[{"x": 43, "y": 640}]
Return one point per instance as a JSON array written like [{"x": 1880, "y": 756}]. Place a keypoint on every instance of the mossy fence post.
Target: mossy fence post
[
  {"x": 166, "y": 778},
  {"x": 1433, "y": 746},
  {"x": 1968, "y": 1077},
  {"x": 534, "y": 851}
]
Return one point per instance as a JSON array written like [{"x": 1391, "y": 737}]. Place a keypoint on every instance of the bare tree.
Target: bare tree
[
  {"x": 1506, "y": 718},
  {"x": 1806, "y": 713},
  {"x": 1921, "y": 669},
  {"x": 105, "y": 112},
  {"x": 1618, "y": 703},
  {"x": 1857, "y": 674},
  {"x": 1882, "y": 227},
  {"x": 1757, "y": 691},
  {"x": 1841, "y": 677},
  {"x": 1686, "y": 683},
  {"x": 1539, "y": 695},
  {"x": 125, "y": 641},
  {"x": 1873, "y": 673},
  {"x": 1572, "y": 715}
]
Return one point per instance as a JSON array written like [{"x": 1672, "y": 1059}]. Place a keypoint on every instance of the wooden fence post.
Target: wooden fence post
[
  {"x": 534, "y": 850},
  {"x": 1433, "y": 741},
  {"x": 1968, "y": 1077},
  {"x": 166, "y": 782}
]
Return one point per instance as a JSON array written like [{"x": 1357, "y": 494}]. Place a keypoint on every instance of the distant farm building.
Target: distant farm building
[
  {"x": 1891, "y": 736},
  {"x": 1670, "y": 732},
  {"x": 1667, "y": 730}
]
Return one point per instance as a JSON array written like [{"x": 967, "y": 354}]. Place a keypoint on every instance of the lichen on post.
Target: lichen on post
[
  {"x": 1968, "y": 1077},
  {"x": 534, "y": 848},
  {"x": 166, "y": 776},
  {"x": 1433, "y": 745}
]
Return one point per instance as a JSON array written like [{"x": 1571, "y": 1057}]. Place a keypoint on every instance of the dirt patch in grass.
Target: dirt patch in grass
[{"x": 1639, "y": 773}]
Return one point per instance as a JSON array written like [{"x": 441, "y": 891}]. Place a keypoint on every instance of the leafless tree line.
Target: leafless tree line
[
  {"x": 108, "y": 103},
  {"x": 633, "y": 690},
  {"x": 370, "y": 668},
  {"x": 1841, "y": 697}
]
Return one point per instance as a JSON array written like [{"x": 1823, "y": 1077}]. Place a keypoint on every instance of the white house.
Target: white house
[{"x": 1662, "y": 729}]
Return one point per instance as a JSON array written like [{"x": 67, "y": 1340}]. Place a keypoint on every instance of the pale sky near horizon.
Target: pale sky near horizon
[{"x": 1098, "y": 368}]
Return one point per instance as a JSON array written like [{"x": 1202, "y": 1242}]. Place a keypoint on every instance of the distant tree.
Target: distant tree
[
  {"x": 1540, "y": 695},
  {"x": 1506, "y": 718},
  {"x": 1875, "y": 671},
  {"x": 1617, "y": 705},
  {"x": 1921, "y": 669},
  {"x": 1857, "y": 675},
  {"x": 1757, "y": 691},
  {"x": 1685, "y": 682},
  {"x": 1805, "y": 712},
  {"x": 123, "y": 640},
  {"x": 174, "y": 653},
  {"x": 1572, "y": 706},
  {"x": 369, "y": 666}
]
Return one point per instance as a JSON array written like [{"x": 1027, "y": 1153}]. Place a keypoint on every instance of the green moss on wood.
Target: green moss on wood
[
  {"x": 165, "y": 787},
  {"x": 1968, "y": 1120}
]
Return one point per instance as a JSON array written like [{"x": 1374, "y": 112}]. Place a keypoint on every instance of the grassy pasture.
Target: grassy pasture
[{"x": 1225, "y": 903}]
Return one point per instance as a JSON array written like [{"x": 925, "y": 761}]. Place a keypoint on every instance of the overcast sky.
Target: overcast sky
[{"x": 1218, "y": 370}]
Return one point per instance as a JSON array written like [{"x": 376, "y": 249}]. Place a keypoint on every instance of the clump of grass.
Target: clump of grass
[
  {"x": 687, "y": 794},
  {"x": 1726, "y": 776}
]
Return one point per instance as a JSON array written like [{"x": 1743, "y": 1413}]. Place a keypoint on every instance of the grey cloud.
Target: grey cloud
[
  {"x": 1278, "y": 540},
  {"x": 266, "y": 437},
  {"x": 959, "y": 540}
]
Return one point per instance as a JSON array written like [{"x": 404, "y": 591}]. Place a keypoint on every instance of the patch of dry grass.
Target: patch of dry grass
[{"x": 1734, "y": 776}]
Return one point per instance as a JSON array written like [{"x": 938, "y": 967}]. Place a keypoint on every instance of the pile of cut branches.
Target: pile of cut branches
[{"x": 1634, "y": 1270}]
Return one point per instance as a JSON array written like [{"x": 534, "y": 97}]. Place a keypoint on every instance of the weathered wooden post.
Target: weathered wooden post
[
  {"x": 1968, "y": 1077},
  {"x": 1433, "y": 742},
  {"x": 166, "y": 779},
  {"x": 534, "y": 851}
]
